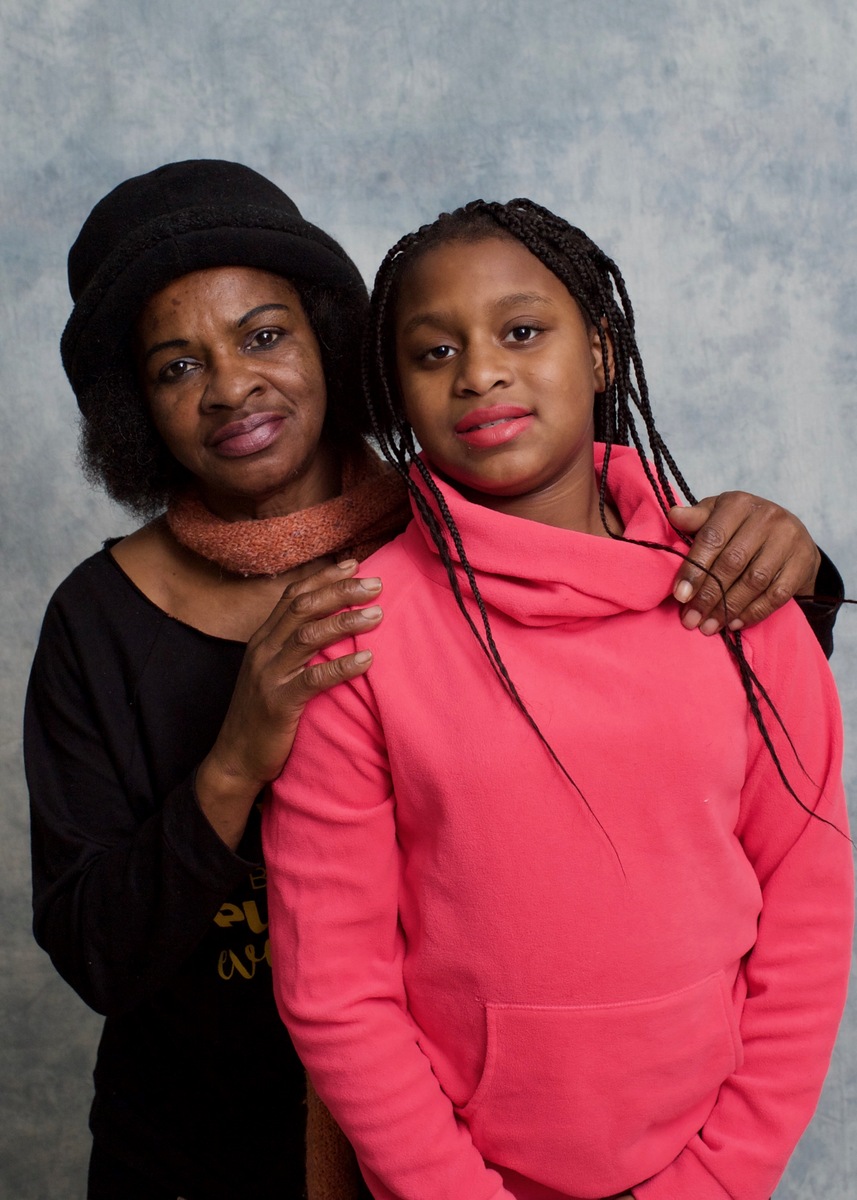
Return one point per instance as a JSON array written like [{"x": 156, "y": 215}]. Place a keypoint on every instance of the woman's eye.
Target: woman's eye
[
  {"x": 176, "y": 369},
  {"x": 264, "y": 338},
  {"x": 439, "y": 353}
]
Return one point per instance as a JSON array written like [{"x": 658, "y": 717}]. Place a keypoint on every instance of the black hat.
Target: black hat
[{"x": 180, "y": 218}]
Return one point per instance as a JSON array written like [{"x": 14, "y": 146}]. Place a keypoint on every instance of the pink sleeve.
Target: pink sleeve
[
  {"x": 333, "y": 872},
  {"x": 797, "y": 972}
]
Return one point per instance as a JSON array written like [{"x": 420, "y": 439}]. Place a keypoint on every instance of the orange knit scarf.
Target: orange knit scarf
[{"x": 371, "y": 509}]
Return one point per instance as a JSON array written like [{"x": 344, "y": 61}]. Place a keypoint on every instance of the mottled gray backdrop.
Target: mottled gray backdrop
[{"x": 709, "y": 146}]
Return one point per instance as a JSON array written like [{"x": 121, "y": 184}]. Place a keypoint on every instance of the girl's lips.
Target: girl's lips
[
  {"x": 487, "y": 427},
  {"x": 241, "y": 438}
]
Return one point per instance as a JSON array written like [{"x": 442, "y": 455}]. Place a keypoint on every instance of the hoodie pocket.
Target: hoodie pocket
[{"x": 588, "y": 1100}]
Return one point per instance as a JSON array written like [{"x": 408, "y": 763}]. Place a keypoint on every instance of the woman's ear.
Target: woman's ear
[{"x": 598, "y": 357}]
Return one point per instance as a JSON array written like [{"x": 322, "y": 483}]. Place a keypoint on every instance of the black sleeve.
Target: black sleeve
[
  {"x": 125, "y": 884},
  {"x": 821, "y": 609}
]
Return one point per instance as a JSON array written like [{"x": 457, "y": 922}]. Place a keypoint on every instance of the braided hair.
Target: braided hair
[{"x": 622, "y": 412}]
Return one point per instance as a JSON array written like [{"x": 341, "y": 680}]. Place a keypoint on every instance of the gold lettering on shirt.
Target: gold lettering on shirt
[
  {"x": 229, "y": 962},
  {"x": 230, "y": 914},
  {"x": 238, "y": 962}
]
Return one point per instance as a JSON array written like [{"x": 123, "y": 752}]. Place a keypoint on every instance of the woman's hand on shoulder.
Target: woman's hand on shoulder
[
  {"x": 761, "y": 554},
  {"x": 275, "y": 684}
]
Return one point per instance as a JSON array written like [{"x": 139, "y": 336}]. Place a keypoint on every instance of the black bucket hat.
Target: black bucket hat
[{"x": 180, "y": 218}]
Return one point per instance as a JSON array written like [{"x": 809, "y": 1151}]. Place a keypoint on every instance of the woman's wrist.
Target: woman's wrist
[{"x": 225, "y": 799}]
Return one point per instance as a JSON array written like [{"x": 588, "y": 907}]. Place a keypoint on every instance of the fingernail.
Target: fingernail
[
  {"x": 708, "y": 627},
  {"x": 363, "y": 656},
  {"x": 371, "y": 614},
  {"x": 691, "y": 619},
  {"x": 347, "y": 564},
  {"x": 683, "y": 592},
  {"x": 370, "y": 585},
  {"x": 736, "y": 625}
]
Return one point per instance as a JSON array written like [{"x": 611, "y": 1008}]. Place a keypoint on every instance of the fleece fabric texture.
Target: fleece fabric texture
[{"x": 504, "y": 985}]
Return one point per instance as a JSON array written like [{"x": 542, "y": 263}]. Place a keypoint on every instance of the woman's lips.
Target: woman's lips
[
  {"x": 241, "y": 438},
  {"x": 487, "y": 427}
]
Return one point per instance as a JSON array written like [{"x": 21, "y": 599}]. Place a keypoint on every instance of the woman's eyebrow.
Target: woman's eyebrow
[
  {"x": 260, "y": 308},
  {"x": 174, "y": 344},
  {"x": 180, "y": 343}
]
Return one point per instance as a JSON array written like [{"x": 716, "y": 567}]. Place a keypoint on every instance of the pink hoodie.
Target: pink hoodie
[{"x": 500, "y": 992}]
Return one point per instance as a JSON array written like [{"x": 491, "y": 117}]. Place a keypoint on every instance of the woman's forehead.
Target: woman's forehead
[{"x": 226, "y": 293}]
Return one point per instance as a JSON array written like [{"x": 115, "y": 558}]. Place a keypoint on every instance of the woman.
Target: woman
[{"x": 213, "y": 352}]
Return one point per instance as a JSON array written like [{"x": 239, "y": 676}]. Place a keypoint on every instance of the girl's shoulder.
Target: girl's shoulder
[
  {"x": 784, "y": 642},
  {"x": 399, "y": 560}
]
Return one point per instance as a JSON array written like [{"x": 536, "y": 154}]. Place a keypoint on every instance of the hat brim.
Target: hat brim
[{"x": 97, "y": 337}]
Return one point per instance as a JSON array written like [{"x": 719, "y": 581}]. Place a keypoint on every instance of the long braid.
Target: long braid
[
  {"x": 596, "y": 284},
  {"x": 395, "y": 439}
]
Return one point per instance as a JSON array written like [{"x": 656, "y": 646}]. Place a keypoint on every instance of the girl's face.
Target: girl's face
[
  {"x": 498, "y": 371},
  {"x": 232, "y": 373}
]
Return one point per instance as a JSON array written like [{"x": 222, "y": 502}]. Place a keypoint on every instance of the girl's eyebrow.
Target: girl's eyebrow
[
  {"x": 523, "y": 298},
  {"x": 426, "y": 318},
  {"x": 510, "y": 301}
]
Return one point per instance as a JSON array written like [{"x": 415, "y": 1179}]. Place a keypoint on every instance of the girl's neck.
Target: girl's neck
[{"x": 571, "y": 502}]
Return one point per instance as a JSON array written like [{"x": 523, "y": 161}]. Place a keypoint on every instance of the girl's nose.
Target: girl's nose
[
  {"x": 231, "y": 379},
  {"x": 481, "y": 369}
]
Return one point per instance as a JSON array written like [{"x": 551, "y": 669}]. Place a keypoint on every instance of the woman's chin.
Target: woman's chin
[{"x": 264, "y": 485}]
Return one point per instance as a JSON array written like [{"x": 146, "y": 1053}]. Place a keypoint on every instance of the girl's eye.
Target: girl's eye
[
  {"x": 524, "y": 333},
  {"x": 434, "y": 354}
]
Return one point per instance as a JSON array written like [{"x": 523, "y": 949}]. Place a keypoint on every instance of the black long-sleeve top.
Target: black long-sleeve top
[{"x": 143, "y": 910}]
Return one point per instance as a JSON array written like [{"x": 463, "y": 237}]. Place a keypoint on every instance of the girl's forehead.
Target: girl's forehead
[{"x": 499, "y": 262}]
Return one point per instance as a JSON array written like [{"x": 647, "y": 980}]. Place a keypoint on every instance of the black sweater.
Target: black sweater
[{"x": 143, "y": 910}]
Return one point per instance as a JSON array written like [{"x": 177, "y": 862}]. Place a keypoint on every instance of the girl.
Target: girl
[{"x": 547, "y": 922}]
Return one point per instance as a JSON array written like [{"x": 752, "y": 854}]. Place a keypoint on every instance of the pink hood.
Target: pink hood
[{"x": 564, "y": 573}]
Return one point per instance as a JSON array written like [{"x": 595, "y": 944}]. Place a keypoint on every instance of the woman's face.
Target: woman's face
[{"x": 233, "y": 376}]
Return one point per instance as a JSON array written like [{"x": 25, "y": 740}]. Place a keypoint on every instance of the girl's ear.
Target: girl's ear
[{"x": 597, "y": 357}]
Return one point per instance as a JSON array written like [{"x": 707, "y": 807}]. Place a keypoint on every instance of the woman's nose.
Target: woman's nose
[{"x": 231, "y": 379}]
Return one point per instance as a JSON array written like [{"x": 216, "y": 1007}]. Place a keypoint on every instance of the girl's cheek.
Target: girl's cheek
[{"x": 407, "y": 401}]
